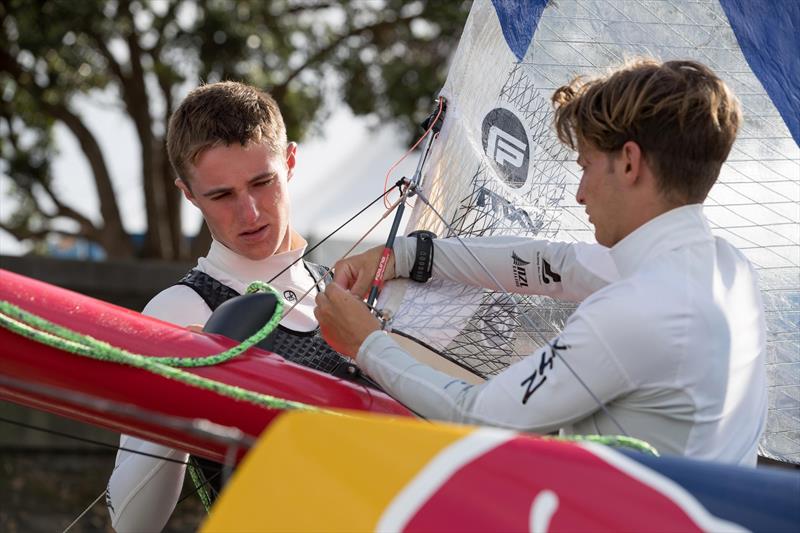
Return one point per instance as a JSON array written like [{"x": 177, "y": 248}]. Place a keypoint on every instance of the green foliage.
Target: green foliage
[{"x": 384, "y": 58}]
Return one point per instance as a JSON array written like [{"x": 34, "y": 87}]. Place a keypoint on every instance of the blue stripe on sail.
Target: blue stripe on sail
[
  {"x": 518, "y": 19},
  {"x": 768, "y": 32}
]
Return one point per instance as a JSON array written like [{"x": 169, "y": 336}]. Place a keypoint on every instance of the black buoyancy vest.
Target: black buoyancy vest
[{"x": 303, "y": 348}]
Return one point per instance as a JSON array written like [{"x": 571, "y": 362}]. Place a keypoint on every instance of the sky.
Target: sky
[{"x": 339, "y": 170}]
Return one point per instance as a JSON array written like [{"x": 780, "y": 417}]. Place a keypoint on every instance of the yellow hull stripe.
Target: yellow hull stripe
[{"x": 316, "y": 472}]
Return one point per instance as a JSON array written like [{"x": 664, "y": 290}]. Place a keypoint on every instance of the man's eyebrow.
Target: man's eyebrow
[{"x": 220, "y": 190}]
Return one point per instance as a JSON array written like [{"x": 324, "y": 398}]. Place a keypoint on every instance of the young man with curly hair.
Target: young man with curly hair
[{"x": 669, "y": 334}]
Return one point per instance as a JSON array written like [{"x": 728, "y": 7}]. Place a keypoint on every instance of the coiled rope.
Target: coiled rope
[{"x": 48, "y": 333}]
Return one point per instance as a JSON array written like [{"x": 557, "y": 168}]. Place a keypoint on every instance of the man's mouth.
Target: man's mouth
[{"x": 254, "y": 233}]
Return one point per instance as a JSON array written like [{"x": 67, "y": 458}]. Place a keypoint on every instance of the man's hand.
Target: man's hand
[
  {"x": 344, "y": 320},
  {"x": 356, "y": 273}
]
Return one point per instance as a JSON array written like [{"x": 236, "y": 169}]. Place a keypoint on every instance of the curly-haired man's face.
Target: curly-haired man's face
[{"x": 601, "y": 193}]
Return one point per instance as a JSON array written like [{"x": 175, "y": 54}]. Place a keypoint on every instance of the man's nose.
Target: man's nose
[
  {"x": 580, "y": 195},
  {"x": 248, "y": 208}
]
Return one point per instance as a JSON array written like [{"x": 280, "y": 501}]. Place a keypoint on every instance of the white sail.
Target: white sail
[{"x": 498, "y": 168}]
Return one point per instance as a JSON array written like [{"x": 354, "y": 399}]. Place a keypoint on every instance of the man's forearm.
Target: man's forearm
[{"x": 517, "y": 264}]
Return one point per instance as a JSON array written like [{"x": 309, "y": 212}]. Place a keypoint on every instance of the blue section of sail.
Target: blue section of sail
[
  {"x": 518, "y": 19},
  {"x": 768, "y": 32}
]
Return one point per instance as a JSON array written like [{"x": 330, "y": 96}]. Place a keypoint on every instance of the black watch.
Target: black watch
[{"x": 423, "y": 260}]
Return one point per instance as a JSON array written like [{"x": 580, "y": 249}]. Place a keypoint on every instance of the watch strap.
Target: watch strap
[{"x": 423, "y": 258}]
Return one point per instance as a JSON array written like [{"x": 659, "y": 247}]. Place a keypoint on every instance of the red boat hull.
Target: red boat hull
[{"x": 27, "y": 362}]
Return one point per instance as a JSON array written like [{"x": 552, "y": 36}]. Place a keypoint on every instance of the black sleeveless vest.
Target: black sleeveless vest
[{"x": 303, "y": 348}]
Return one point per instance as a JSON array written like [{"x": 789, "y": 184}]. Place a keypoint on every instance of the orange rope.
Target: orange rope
[{"x": 389, "y": 172}]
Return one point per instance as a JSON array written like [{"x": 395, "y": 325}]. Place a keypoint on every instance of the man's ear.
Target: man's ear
[
  {"x": 187, "y": 192},
  {"x": 291, "y": 159},
  {"x": 631, "y": 161}
]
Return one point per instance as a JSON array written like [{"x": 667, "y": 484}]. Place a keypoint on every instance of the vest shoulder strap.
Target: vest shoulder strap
[
  {"x": 215, "y": 293},
  {"x": 210, "y": 290}
]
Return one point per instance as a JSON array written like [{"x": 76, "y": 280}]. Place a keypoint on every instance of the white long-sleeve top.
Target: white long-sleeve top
[
  {"x": 669, "y": 335},
  {"x": 142, "y": 491}
]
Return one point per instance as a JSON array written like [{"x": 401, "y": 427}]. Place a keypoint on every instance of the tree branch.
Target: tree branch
[
  {"x": 109, "y": 208},
  {"x": 116, "y": 68},
  {"x": 156, "y": 204},
  {"x": 320, "y": 54},
  {"x": 62, "y": 210},
  {"x": 298, "y": 8},
  {"x": 22, "y": 234}
]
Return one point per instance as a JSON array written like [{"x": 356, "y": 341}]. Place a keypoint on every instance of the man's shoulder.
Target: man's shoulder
[{"x": 179, "y": 305}]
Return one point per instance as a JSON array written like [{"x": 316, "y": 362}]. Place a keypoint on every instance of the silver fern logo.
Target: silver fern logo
[
  {"x": 506, "y": 144},
  {"x": 520, "y": 272}
]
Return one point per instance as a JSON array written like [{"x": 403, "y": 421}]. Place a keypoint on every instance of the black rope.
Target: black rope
[
  {"x": 331, "y": 234},
  {"x": 197, "y": 488},
  {"x": 116, "y": 447},
  {"x": 89, "y": 441}
]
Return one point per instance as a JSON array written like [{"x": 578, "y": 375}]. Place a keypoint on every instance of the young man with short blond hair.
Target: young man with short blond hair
[{"x": 227, "y": 144}]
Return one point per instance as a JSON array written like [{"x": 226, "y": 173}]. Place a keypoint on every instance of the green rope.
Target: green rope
[
  {"x": 50, "y": 334},
  {"x": 45, "y": 332},
  {"x": 199, "y": 485},
  {"x": 614, "y": 441}
]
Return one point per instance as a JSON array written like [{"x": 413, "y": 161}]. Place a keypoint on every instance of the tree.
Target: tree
[{"x": 388, "y": 58}]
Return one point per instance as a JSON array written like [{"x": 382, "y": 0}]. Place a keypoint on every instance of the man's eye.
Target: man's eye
[
  {"x": 220, "y": 196},
  {"x": 263, "y": 182}
]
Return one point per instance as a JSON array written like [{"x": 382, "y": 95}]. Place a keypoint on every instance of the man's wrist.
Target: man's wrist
[
  {"x": 403, "y": 253},
  {"x": 364, "y": 348}
]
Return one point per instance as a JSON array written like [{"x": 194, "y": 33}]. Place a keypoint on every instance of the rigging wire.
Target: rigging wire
[
  {"x": 330, "y": 271},
  {"x": 199, "y": 486},
  {"x": 331, "y": 234},
  {"x": 100, "y": 497},
  {"x": 427, "y": 132},
  {"x": 330, "y": 274},
  {"x": 115, "y": 447},
  {"x": 519, "y": 310},
  {"x": 88, "y": 441}
]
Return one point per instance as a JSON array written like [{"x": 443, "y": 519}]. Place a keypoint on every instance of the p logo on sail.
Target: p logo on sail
[{"x": 506, "y": 143}]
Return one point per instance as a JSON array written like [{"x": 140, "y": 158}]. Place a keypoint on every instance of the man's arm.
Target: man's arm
[
  {"x": 569, "y": 271},
  {"x": 537, "y": 394},
  {"x": 143, "y": 491}
]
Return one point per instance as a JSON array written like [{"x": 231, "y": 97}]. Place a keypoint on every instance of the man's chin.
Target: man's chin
[
  {"x": 254, "y": 252},
  {"x": 257, "y": 253}
]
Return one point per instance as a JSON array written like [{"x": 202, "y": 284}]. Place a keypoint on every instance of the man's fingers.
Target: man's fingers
[
  {"x": 362, "y": 285},
  {"x": 336, "y": 293},
  {"x": 345, "y": 274}
]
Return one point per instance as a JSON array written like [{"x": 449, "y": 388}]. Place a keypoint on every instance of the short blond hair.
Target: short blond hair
[
  {"x": 683, "y": 117},
  {"x": 223, "y": 113}
]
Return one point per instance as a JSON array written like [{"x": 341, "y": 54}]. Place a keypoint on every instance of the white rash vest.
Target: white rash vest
[
  {"x": 669, "y": 335},
  {"x": 143, "y": 491}
]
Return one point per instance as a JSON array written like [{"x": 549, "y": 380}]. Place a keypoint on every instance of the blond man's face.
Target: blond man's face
[{"x": 243, "y": 195}]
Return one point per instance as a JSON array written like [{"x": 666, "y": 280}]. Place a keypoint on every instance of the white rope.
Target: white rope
[{"x": 85, "y": 511}]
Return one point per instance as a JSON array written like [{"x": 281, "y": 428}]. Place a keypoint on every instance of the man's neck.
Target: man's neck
[{"x": 295, "y": 240}]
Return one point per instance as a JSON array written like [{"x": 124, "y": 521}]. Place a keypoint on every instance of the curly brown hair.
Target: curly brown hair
[
  {"x": 222, "y": 114},
  {"x": 683, "y": 117}
]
